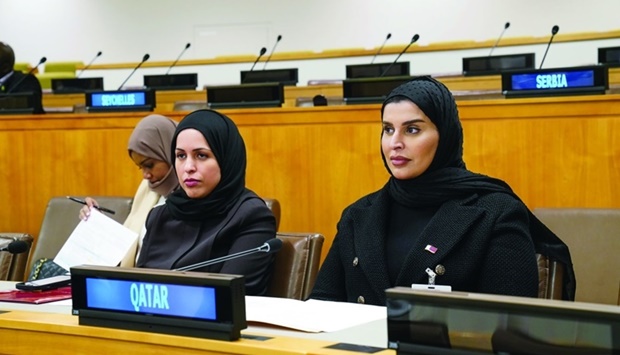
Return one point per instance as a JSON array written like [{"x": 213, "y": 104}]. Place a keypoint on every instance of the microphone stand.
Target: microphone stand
[
  {"x": 89, "y": 64},
  {"x": 265, "y": 248},
  {"x": 413, "y": 40},
  {"x": 144, "y": 59}
]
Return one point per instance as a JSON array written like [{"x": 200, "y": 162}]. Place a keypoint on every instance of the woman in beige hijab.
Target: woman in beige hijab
[{"x": 149, "y": 148}]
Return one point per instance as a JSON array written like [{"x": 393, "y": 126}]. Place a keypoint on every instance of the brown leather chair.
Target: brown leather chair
[
  {"x": 274, "y": 206},
  {"x": 550, "y": 278},
  {"x": 61, "y": 218},
  {"x": 593, "y": 238},
  {"x": 13, "y": 266},
  {"x": 296, "y": 265}
]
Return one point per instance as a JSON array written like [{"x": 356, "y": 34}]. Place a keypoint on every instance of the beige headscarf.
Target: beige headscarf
[{"x": 152, "y": 138}]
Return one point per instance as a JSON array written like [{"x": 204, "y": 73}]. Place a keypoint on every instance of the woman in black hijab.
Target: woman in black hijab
[
  {"x": 213, "y": 214},
  {"x": 470, "y": 230}
]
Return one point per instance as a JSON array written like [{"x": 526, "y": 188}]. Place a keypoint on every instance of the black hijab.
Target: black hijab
[
  {"x": 228, "y": 147},
  {"x": 447, "y": 177}
]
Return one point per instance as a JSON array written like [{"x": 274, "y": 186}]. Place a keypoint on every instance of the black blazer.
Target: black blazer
[
  {"x": 482, "y": 242},
  {"x": 20, "y": 82},
  {"x": 170, "y": 243}
]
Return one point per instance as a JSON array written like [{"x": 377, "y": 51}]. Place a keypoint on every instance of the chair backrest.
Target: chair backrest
[
  {"x": 550, "y": 278},
  {"x": 71, "y": 67},
  {"x": 13, "y": 266},
  {"x": 61, "y": 218},
  {"x": 274, "y": 206},
  {"x": 593, "y": 238},
  {"x": 296, "y": 265}
]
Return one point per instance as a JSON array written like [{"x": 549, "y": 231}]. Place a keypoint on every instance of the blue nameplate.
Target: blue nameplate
[
  {"x": 122, "y": 100},
  {"x": 173, "y": 302},
  {"x": 556, "y": 81}
]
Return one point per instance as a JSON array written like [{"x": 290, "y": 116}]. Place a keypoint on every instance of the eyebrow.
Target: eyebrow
[
  {"x": 194, "y": 150},
  {"x": 415, "y": 120},
  {"x": 144, "y": 161}
]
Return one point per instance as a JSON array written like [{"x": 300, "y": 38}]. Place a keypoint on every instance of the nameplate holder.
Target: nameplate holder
[
  {"x": 586, "y": 80},
  {"x": 376, "y": 70},
  {"x": 76, "y": 85},
  {"x": 609, "y": 56},
  {"x": 493, "y": 65},
  {"x": 245, "y": 95},
  {"x": 17, "y": 103},
  {"x": 120, "y": 100},
  {"x": 424, "y": 322},
  {"x": 370, "y": 90},
  {"x": 194, "y": 304},
  {"x": 171, "y": 81},
  {"x": 283, "y": 76}
]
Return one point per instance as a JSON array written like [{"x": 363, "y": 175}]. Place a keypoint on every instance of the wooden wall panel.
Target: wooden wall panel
[{"x": 554, "y": 152}]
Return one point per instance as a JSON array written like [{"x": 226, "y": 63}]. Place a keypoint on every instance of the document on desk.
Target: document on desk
[
  {"x": 311, "y": 316},
  {"x": 100, "y": 240}
]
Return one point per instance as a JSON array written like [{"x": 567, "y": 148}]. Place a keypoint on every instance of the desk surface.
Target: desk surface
[{"x": 55, "y": 328}]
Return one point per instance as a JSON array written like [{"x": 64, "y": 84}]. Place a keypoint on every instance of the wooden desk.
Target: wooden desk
[
  {"x": 554, "y": 152},
  {"x": 30, "y": 333},
  {"x": 52, "y": 327}
]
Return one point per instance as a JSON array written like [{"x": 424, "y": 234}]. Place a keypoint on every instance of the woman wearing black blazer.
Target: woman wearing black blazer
[
  {"x": 213, "y": 214},
  {"x": 470, "y": 230}
]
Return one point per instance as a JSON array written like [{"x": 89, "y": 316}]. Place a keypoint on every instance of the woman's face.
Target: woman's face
[
  {"x": 196, "y": 166},
  {"x": 409, "y": 140},
  {"x": 153, "y": 170}
]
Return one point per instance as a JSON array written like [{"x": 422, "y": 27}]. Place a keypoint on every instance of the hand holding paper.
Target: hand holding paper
[{"x": 99, "y": 240}]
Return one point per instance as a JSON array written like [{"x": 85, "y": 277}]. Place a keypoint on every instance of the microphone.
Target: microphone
[
  {"x": 389, "y": 35},
  {"x": 272, "y": 50},
  {"x": 500, "y": 37},
  {"x": 179, "y": 57},
  {"x": 41, "y": 61},
  {"x": 554, "y": 31},
  {"x": 16, "y": 247},
  {"x": 270, "y": 246},
  {"x": 262, "y": 51},
  {"x": 413, "y": 40},
  {"x": 89, "y": 64},
  {"x": 144, "y": 59}
]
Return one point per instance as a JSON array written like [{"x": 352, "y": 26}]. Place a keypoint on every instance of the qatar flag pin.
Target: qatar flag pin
[{"x": 431, "y": 249}]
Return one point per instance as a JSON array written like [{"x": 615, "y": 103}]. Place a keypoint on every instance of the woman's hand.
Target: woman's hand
[{"x": 85, "y": 211}]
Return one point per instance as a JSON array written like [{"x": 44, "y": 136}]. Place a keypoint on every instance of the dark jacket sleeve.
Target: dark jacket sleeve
[
  {"x": 330, "y": 284},
  {"x": 509, "y": 266},
  {"x": 256, "y": 225}
]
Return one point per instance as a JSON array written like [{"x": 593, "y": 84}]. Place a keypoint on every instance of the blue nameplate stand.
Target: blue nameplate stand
[
  {"x": 120, "y": 100},
  {"x": 587, "y": 80},
  {"x": 194, "y": 304}
]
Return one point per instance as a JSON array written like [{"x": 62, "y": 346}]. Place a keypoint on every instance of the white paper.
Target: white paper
[
  {"x": 100, "y": 240},
  {"x": 312, "y": 316}
]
